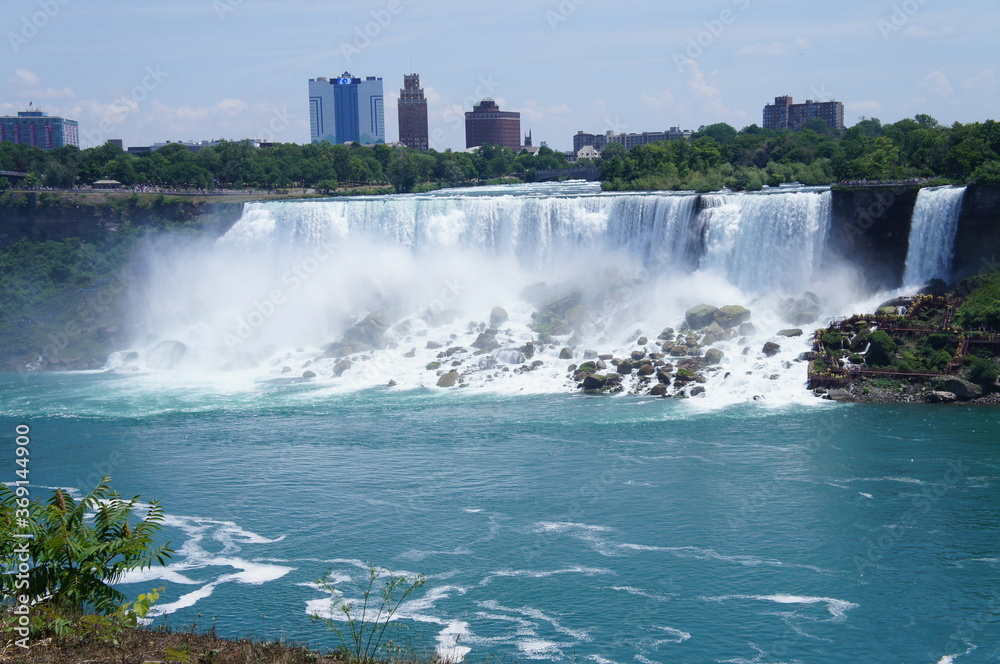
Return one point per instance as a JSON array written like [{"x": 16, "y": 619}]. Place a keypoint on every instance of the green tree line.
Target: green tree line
[
  {"x": 238, "y": 164},
  {"x": 720, "y": 156},
  {"x": 717, "y": 156}
]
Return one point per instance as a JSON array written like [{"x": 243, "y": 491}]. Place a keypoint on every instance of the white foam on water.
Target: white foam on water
[
  {"x": 641, "y": 593},
  {"x": 193, "y": 559},
  {"x": 535, "y": 574},
  {"x": 837, "y": 608}
]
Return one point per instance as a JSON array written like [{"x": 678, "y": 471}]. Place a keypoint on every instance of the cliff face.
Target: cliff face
[
  {"x": 977, "y": 245},
  {"x": 871, "y": 228},
  {"x": 39, "y": 218}
]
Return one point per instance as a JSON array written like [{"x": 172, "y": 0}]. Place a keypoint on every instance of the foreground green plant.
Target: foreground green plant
[
  {"x": 367, "y": 619},
  {"x": 79, "y": 549}
]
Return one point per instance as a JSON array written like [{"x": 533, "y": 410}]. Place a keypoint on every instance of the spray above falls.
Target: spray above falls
[{"x": 404, "y": 288}]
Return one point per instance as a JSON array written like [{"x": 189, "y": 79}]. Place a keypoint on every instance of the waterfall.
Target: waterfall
[
  {"x": 293, "y": 282},
  {"x": 765, "y": 242},
  {"x": 932, "y": 235}
]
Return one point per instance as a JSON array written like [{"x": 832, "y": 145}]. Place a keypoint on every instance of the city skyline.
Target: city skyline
[{"x": 207, "y": 69}]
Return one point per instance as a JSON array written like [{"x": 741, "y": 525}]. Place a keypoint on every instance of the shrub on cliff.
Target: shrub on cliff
[
  {"x": 882, "y": 351},
  {"x": 982, "y": 308}
]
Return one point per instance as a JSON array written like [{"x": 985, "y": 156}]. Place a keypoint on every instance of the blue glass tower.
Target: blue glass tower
[{"x": 346, "y": 109}]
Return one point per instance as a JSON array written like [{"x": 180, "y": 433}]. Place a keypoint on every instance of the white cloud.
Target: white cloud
[
  {"x": 983, "y": 84},
  {"x": 709, "y": 96},
  {"x": 535, "y": 113},
  {"x": 774, "y": 49},
  {"x": 923, "y": 32},
  {"x": 937, "y": 83},
  {"x": 27, "y": 84},
  {"x": 661, "y": 101}
]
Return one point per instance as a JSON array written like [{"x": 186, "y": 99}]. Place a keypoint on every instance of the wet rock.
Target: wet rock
[
  {"x": 624, "y": 367},
  {"x": 708, "y": 339},
  {"x": 770, "y": 349},
  {"x": 432, "y": 366},
  {"x": 498, "y": 316},
  {"x": 664, "y": 376},
  {"x": 486, "y": 342},
  {"x": 668, "y": 333},
  {"x": 434, "y": 345},
  {"x": 536, "y": 364},
  {"x": 940, "y": 396},
  {"x": 340, "y": 367},
  {"x": 369, "y": 331},
  {"x": 962, "y": 389},
  {"x": 566, "y": 353},
  {"x": 732, "y": 315},
  {"x": 794, "y": 332},
  {"x": 642, "y": 341},
  {"x": 659, "y": 390},
  {"x": 166, "y": 355},
  {"x": 391, "y": 383},
  {"x": 528, "y": 349},
  {"x": 448, "y": 380},
  {"x": 605, "y": 357},
  {"x": 713, "y": 356},
  {"x": 747, "y": 330},
  {"x": 338, "y": 349},
  {"x": 700, "y": 316},
  {"x": 454, "y": 349},
  {"x": 285, "y": 370},
  {"x": 594, "y": 382},
  {"x": 590, "y": 354},
  {"x": 638, "y": 355},
  {"x": 678, "y": 351},
  {"x": 697, "y": 390},
  {"x": 308, "y": 374}
]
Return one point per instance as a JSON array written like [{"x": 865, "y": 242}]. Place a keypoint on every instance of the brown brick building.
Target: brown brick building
[
  {"x": 413, "y": 114},
  {"x": 784, "y": 113},
  {"x": 486, "y": 123}
]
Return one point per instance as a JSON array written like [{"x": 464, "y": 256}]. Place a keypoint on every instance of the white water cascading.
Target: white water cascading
[
  {"x": 932, "y": 235},
  {"x": 290, "y": 277}
]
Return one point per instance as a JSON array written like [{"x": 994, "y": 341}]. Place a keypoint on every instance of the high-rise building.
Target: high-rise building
[
  {"x": 784, "y": 113},
  {"x": 346, "y": 110},
  {"x": 413, "y": 114},
  {"x": 600, "y": 141},
  {"x": 39, "y": 129},
  {"x": 486, "y": 123}
]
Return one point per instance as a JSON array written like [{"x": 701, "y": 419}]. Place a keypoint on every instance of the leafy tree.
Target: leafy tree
[{"x": 80, "y": 548}]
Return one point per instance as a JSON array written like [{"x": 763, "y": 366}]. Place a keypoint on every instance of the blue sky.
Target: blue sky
[{"x": 153, "y": 71}]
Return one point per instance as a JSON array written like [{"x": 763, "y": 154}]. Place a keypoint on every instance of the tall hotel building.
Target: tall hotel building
[
  {"x": 413, "y": 114},
  {"x": 785, "y": 114},
  {"x": 40, "y": 130},
  {"x": 346, "y": 109},
  {"x": 486, "y": 123}
]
